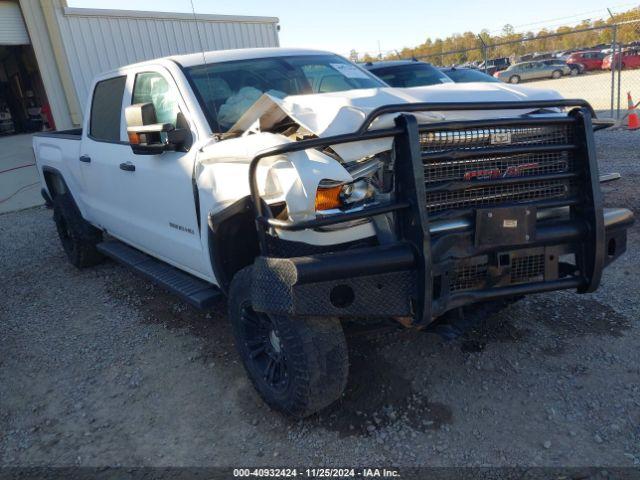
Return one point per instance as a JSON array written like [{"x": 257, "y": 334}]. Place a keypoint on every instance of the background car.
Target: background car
[
  {"x": 589, "y": 60},
  {"x": 407, "y": 73},
  {"x": 532, "y": 71},
  {"x": 467, "y": 75},
  {"x": 495, "y": 65},
  {"x": 630, "y": 59},
  {"x": 576, "y": 68}
]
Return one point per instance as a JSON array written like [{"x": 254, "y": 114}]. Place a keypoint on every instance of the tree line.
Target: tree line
[{"x": 467, "y": 47}]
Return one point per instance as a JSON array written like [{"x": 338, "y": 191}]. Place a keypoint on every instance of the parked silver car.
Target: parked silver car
[{"x": 519, "y": 72}]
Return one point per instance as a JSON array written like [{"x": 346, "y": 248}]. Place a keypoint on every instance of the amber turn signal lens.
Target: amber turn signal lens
[
  {"x": 328, "y": 198},
  {"x": 134, "y": 138}
]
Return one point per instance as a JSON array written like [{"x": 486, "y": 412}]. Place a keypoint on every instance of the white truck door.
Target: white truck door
[
  {"x": 156, "y": 192},
  {"x": 102, "y": 147}
]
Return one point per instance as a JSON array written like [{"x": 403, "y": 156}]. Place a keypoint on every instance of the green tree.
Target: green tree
[{"x": 466, "y": 47}]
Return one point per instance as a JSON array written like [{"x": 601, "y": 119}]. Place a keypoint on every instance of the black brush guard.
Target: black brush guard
[{"x": 412, "y": 253}]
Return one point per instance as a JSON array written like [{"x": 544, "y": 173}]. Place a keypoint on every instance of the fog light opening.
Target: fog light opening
[
  {"x": 611, "y": 247},
  {"x": 342, "y": 296}
]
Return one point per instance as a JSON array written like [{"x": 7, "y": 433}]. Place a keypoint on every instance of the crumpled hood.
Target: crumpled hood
[
  {"x": 220, "y": 162},
  {"x": 335, "y": 113}
]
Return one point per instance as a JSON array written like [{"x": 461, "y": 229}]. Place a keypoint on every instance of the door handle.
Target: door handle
[
  {"x": 85, "y": 158},
  {"x": 128, "y": 167}
]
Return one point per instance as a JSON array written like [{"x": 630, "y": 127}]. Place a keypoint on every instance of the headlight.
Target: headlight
[{"x": 367, "y": 183}]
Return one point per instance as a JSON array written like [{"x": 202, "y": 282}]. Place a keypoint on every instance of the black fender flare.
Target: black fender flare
[
  {"x": 232, "y": 240},
  {"x": 56, "y": 185}
]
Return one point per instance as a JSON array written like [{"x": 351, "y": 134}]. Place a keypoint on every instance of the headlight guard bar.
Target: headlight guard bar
[
  {"x": 363, "y": 133},
  {"x": 411, "y": 223}
]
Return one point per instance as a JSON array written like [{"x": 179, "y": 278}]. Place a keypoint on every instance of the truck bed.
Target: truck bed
[{"x": 71, "y": 134}]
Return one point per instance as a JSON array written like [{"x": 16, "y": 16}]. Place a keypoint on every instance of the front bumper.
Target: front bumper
[
  {"x": 379, "y": 281},
  {"x": 508, "y": 243}
]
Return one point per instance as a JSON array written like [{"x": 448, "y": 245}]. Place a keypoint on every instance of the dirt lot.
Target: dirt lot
[{"x": 100, "y": 368}]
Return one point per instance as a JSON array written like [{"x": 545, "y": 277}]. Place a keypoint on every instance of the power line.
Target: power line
[
  {"x": 578, "y": 15},
  {"x": 621, "y": 5}
]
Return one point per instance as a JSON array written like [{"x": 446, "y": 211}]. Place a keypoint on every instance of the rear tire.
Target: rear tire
[
  {"x": 514, "y": 79},
  {"x": 78, "y": 237},
  {"x": 298, "y": 365}
]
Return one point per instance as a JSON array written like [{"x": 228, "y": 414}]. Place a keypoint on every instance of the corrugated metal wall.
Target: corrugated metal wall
[{"x": 96, "y": 41}]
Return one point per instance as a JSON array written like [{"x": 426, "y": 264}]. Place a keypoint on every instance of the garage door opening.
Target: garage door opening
[{"x": 23, "y": 101}]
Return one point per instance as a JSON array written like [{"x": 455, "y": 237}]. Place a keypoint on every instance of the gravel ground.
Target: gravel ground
[
  {"x": 100, "y": 368},
  {"x": 595, "y": 87}
]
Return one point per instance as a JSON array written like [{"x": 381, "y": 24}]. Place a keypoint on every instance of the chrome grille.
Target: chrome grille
[
  {"x": 486, "y": 137},
  {"x": 495, "y": 167},
  {"x": 490, "y": 165},
  {"x": 496, "y": 194}
]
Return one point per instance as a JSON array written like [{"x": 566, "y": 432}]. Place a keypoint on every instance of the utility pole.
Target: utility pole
[
  {"x": 613, "y": 67},
  {"x": 616, "y": 62},
  {"x": 484, "y": 52}
]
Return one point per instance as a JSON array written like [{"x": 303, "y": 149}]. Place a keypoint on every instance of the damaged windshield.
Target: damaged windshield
[{"x": 227, "y": 89}]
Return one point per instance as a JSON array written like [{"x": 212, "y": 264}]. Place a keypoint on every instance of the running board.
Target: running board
[{"x": 193, "y": 290}]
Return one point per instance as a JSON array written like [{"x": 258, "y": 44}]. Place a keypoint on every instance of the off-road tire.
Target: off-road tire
[
  {"x": 78, "y": 237},
  {"x": 556, "y": 74},
  {"x": 314, "y": 351},
  {"x": 514, "y": 79}
]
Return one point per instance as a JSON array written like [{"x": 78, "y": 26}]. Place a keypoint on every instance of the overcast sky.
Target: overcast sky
[{"x": 340, "y": 25}]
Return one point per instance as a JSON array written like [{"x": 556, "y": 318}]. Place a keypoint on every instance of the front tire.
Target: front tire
[
  {"x": 298, "y": 365},
  {"x": 78, "y": 237},
  {"x": 556, "y": 74}
]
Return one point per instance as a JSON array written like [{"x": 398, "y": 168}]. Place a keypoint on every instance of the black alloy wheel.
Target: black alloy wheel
[{"x": 266, "y": 351}]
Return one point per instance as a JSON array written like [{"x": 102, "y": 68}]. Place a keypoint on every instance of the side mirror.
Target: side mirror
[{"x": 147, "y": 137}]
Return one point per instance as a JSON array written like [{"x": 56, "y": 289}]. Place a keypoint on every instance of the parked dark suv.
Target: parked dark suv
[
  {"x": 495, "y": 65},
  {"x": 407, "y": 73}
]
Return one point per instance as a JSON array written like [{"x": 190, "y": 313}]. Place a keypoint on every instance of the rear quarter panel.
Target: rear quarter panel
[{"x": 59, "y": 155}]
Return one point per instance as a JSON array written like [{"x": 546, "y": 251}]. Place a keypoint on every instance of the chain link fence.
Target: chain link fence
[{"x": 603, "y": 63}]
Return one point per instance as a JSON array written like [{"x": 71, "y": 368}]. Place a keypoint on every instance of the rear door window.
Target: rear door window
[{"x": 106, "y": 109}]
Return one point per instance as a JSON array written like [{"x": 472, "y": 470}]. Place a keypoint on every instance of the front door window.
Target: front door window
[{"x": 151, "y": 87}]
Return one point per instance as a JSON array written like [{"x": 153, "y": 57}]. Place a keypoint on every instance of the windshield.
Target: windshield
[
  {"x": 414, "y": 75},
  {"x": 465, "y": 76},
  {"x": 227, "y": 89}
]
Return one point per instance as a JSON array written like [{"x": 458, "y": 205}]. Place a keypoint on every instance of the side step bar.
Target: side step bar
[{"x": 193, "y": 290}]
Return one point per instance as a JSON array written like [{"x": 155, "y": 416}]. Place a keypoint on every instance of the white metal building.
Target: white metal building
[{"x": 50, "y": 52}]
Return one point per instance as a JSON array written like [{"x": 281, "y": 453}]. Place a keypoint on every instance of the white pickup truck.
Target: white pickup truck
[{"x": 309, "y": 192}]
